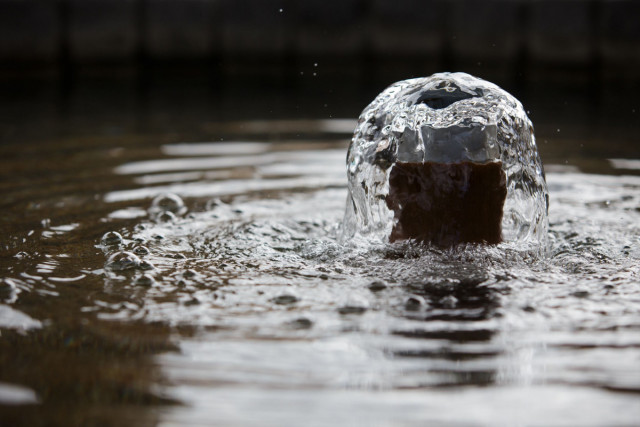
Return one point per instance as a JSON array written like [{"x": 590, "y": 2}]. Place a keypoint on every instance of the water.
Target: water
[
  {"x": 227, "y": 296},
  {"x": 446, "y": 119}
]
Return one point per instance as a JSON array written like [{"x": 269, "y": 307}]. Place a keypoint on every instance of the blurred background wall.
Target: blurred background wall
[
  {"x": 601, "y": 35},
  {"x": 331, "y": 57}
]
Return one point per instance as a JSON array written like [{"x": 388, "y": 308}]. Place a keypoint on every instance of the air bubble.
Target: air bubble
[
  {"x": 351, "y": 309},
  {"x": 285, "y": 299},
  {"x": 213, "y": 203},
  {"x": 301, "y": 323},
  {"x": 377, "y": 286},
  {"x": 166, "y": 216},
  {"x": 146, "y": 265},
  {"x": 121, "y": 261},
  {"x": 167, "y": 203},
  {"x": 141, "y": 250},
  {"x": 112, "y": 238},
  {"x": 189, "y": 274},
  {"x": 413, "y": 303},
  {"x": 145, "y": 280}
]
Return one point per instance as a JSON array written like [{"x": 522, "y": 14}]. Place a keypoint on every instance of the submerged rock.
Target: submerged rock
[{"x": 446, "y": 159}]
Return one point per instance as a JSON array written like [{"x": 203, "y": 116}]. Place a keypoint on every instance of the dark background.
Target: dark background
[{"x": 130, "y": 66}]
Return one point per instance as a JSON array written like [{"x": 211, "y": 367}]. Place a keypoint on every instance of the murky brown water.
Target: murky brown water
[{"x": 244, "y": 309}]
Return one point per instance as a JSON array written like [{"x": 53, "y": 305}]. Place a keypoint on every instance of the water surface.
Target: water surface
[{"x": 244, "y": 308}]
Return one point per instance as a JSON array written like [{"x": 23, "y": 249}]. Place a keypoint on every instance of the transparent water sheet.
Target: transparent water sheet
[{"x": 446, "y": 118}]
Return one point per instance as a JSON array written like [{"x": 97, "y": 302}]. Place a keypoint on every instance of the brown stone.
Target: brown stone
[{"x": 447, "y": 203}]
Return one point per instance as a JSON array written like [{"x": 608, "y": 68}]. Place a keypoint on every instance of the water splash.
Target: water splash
[{"x": 448, "y": 118}]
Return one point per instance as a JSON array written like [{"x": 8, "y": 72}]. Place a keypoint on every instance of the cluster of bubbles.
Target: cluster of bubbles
[{"x": 127, "y": 256}]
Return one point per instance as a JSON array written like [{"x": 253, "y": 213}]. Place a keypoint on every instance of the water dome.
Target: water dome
[{"x": 444, "y": 160}]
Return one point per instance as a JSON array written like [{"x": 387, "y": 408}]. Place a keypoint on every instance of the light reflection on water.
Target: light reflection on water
[
  {"x": 287, "y": 326},
  {"x": 293, "y": 322}
]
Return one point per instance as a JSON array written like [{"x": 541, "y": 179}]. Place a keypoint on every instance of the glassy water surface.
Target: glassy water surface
[{"x": 152, "y": 281}]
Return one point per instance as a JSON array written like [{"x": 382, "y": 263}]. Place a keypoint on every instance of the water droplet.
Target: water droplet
[
  {"x": 121, "y": 261},
  {"x": 168, "y": 202},
  {"x": 111, "y": 238}
]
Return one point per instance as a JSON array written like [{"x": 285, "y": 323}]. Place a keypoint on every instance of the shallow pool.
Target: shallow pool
[{"x": 242, "y": 307}]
